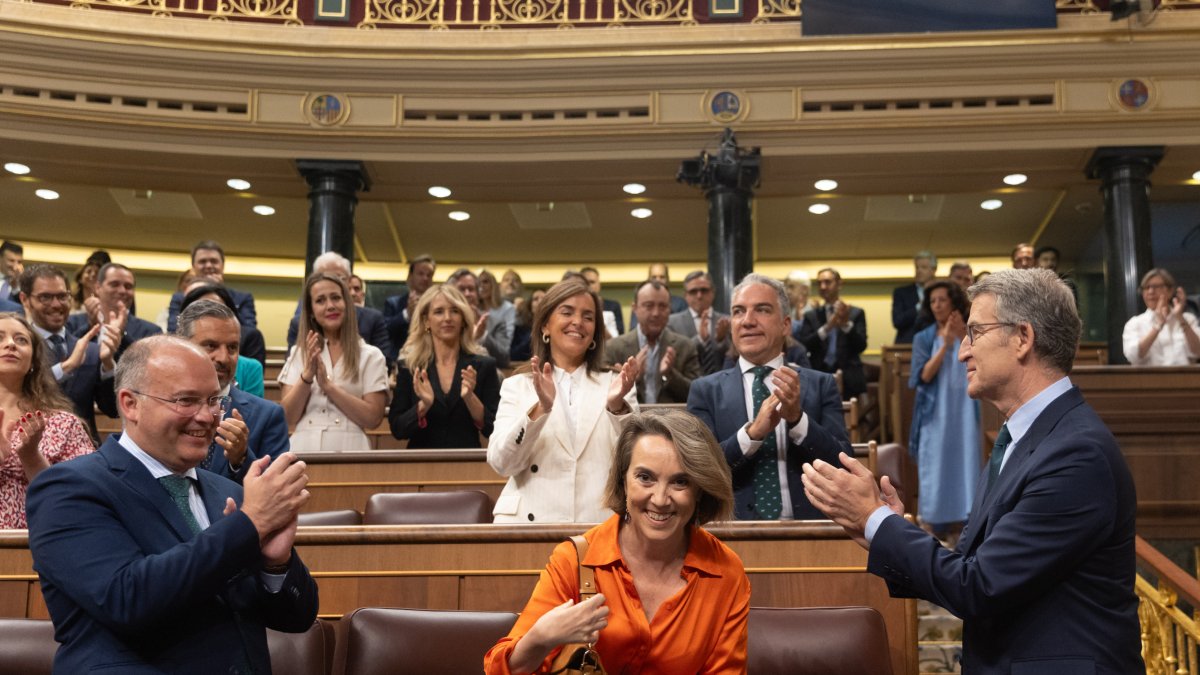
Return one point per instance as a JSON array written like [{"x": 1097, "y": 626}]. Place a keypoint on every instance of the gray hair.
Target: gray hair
[
  {"x": 780, "y": 292},
  {"x": 1040, "y": 298},
  {"x": 202, "y": 309},
  {"x": 131, "y": 369},
  {"x": 331, "y": 259},
  {"x": 926, "y": 255}
]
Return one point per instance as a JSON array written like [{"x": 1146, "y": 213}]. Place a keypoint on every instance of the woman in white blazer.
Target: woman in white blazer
[{"x": 558, "y": 423}]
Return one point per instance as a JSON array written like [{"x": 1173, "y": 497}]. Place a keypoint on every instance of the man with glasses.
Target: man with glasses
[
  {"x": 83, "y": 368},
  {"x": 149, "y": 565},
  {"x": 708, "y": 327},
  {"x": 1043, "y": 574},
  {"x": 250, "y": 426}
]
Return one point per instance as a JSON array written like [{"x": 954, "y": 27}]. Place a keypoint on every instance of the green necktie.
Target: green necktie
[
  {"x": 767, "y": 498},
  {"x": 1002, "y": 440},
  {"x": 177, "y": 487}
]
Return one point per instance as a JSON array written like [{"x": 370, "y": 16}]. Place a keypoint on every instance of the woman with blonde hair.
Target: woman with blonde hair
[
  {"x": 668, "y": 479},
  {"x": 447, "y": 389},
  {"x": 38, "y": 426},
  {"x": 558, "y": 422},
  {"x": 334, "y": 384}
]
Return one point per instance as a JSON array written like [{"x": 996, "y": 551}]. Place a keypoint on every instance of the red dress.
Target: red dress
[
  {"x": 65, "y": 438},
  {"x": 700, "y": 629}
]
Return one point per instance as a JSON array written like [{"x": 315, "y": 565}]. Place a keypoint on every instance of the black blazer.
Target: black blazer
[
  {"x": 849, "y": 350},
  {"x": 448, "y": 423},
  {"x": 906, "y": 316},
  {"x": 84, "y": 386}
]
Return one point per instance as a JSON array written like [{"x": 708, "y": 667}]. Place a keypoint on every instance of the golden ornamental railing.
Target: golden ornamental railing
[
  {"x": 496, "y": 14},
  {"x": 1169, "y": 635},
  {"x": 273, "y": 11}
]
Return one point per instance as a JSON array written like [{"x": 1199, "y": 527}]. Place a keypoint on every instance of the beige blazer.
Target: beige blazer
[{"x": 552, "y": 476}]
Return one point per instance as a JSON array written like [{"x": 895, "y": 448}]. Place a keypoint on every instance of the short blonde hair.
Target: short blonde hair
[{"x": 699, "y": 453}]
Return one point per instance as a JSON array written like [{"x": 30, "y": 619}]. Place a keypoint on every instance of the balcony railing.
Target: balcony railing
[{"x": 1169, "y": 635}]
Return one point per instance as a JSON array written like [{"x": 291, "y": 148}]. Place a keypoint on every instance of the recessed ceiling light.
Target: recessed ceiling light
[
  {"x": 440, "y": 192},
  {"x": 634, "y": 188},
  {"x": 238, "y": 184},
  {"x": 826, "y": 185},
  {"x": 459, "y": 215},
  {"x": 17, "y": 168},
  {"x": 991, "y": 204},
  {"x": 46, "y": 194},
  {"x": 641, "y": 213},
  {"x": 1015, "y": 179},
  {"x": 819, "y": 209},
  {"x": 1196, "y": 176},
  {"x": 264, "y": 210}
]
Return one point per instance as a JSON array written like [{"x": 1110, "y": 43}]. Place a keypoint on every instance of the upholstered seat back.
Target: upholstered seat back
[
  {"x": 462, "y": 507},
  {"x": 818, "y": 641},
  {"x": 381, "y": 641}
]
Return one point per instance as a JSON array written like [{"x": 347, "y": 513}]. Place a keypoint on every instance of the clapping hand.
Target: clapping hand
[
  {"x": 1178, "y": 303},
  {"x": 848, "y": 496},
  {"x": 787, "y": 390},
  {"x": 668, "y": 360},
  {"x": 312, "y": 354},
  {"x": 468, "y": 377},
  {"x": 722, "y": 328},
  {"x": 543, "y": 384},
  {"x": 621, "y": 384},
  {"x": 233, "y": 435},
  {"x": 30, "y": 427},
  {"x": 424, "y": 391},
  {"x": 481, "y": 326},
  {"x": 955, "y": 328}
]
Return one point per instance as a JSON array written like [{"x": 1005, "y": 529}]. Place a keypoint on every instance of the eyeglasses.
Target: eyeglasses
[
  {"x": 47, "y": 298},
  {"x": 703, "y": 290},
  {"x": 1155, "y": 287},
  {"x": 190, "y": 405},
  {"x": 976, "y": 330}
]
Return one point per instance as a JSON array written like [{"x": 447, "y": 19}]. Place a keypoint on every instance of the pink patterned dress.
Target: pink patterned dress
[{"x": 65, "y": 438}]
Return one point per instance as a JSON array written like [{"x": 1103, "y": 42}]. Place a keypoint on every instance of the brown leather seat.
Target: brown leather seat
[
  {"x": 381, "y": 641},
  {"x": 462, "y": 507},
  {"x": 344, "y": 517},
  {"x": 307, "y": 653},
  {"x": 29, "y": 646},
  {"x": 817, "y": 641}
]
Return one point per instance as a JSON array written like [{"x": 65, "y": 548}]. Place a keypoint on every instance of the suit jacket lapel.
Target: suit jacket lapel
[
  {"x": 137, "y": 478},
  {"x": 1016, "y": 463},
  {"x": 593, "y": 399}
]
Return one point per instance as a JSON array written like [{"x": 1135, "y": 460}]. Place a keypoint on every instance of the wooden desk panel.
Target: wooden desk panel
[{"x": 346, "y": 480}]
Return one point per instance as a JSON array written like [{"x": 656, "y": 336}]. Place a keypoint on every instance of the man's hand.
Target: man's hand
[
  {"x": 91, "y": 307},
  {"x": 274, "y": 493},
  {"x": 233, "y": 434},
  {"x": 722, "y": 328},
  {"x": 110, "y": 341},
  {"x": 481, "y": 326},
  {"x": 848, "y": 496},
  {"x": 668, "y": 360},
  {"x": 79, "y": 353},
  {"x": 786, "y": 387},
  {"x": 766, "y": 420},
  {"x": 640, "y": 360}
]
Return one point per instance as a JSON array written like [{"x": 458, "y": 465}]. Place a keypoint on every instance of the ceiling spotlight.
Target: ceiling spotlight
[
  {"x": 264, "y": 210},
  {"x": 1015, "y": 179},
  {"x": 459, "y": 215},
  {"x": 826, "y": 185},
  {"x": 238, "y": 184},
  {"x": 819, "y": 209},
  {"x": 46, "y": 194},
  {"x": 634, "y": 188},
  {"x": 440, "y": 192},
  {"x": 17, "y": 168},
  {"x": 1196, "y": 176},
  {"x": 991, "y": 204},
  {"x": 641, "y": 213}
]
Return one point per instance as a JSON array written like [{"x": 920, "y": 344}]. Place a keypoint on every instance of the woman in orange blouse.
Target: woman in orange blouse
[{"x": 672, "y": 598}]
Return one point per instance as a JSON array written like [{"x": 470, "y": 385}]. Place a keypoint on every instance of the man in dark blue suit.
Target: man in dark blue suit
[
  {"x": 835, "y": 335},
  {"x": 906, "y": 299},
  {"x": 115, "y": 286},
  {"x": 83, "y": 368},
  {"x": 398, "y": 309},
  {"x": 250, "y": 427},
  {"x": 149, "y": 565},
  {"x": 371, "y": 326},
  {"x": 798, "y": 414},
  {"x": 208, "y": 260},
  {"x": 1043, "y": 574}
]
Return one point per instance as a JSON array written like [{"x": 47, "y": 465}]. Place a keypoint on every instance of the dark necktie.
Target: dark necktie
[
  {"x": 1002, "y": 440},
  {"x": 831, "y": 347},
  {"x": 767, "y": 496},
  {"x": 59, "y": 345},
  {"x": 215, "y": 448},
  {"x": 177, "y": 487}
]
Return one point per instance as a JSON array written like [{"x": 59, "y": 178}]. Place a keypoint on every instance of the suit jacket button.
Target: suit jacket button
[
  {"x": 533, "y": 469},
  {"x": 531, "y": 517}
]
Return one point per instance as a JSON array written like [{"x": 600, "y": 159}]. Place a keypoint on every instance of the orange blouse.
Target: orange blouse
[{"x": 700, "y": 629}]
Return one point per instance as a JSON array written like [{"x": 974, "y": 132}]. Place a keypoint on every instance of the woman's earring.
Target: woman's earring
[
  {"x": 626, "y": 519},
  {"x": 593, "y": 346},
  {"x": 546, "y": 338}
]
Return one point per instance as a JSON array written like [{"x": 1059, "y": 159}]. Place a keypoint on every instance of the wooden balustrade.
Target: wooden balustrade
[{"x": 494, "y": 567}]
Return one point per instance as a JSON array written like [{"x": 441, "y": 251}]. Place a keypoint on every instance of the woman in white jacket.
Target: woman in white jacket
[{"x": 557, "y": 424}]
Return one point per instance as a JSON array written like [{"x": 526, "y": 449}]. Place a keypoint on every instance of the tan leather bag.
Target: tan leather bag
[{"x": 577, "y": 658}]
